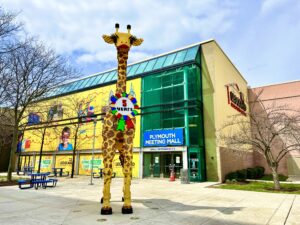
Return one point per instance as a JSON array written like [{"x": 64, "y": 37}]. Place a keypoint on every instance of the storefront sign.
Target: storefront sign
[
  {"x": 87, "y": 164},
  {"x": 45, "y": 163},
  {"x": 236, "y": 98},
  {"x": 163, "y": 137}
]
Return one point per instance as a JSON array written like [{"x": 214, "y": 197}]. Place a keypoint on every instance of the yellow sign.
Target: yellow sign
[
  {"x": 46, "y": 163},
  {"x": 119, "y": 170},
  {"x": 64, "y": 161},
  {"x": 85, "y": 164}
]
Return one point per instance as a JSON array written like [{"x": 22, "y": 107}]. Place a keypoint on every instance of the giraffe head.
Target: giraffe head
[{"x": 122, "y": 40}]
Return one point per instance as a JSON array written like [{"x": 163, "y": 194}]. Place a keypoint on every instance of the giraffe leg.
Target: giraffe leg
[
  {"x": 127, "y": 171},
  {"x": 108, "y": 156}
]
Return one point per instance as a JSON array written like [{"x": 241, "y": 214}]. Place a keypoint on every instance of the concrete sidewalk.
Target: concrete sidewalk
[{"x": 73, "y": 201}]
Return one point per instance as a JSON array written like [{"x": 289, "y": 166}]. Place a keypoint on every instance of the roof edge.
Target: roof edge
[
  {"x": 274, "y": 84},
  {"x": 230, "y": 61},
  {"x": 144, "y": 60}
]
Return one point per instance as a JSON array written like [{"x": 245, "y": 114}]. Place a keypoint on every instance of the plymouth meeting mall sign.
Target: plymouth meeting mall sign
[{"x": 172, "y": 137}]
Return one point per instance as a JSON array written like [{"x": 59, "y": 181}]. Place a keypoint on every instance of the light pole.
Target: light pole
[{"x": 95, "y": 123}]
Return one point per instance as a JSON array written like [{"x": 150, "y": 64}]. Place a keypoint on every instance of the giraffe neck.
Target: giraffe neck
[{"x": 122, "y": 66}]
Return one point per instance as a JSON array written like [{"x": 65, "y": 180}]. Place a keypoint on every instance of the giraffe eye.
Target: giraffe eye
[
  {"x": 114, "y": 37},
  {"x": 132, "y": 39}
]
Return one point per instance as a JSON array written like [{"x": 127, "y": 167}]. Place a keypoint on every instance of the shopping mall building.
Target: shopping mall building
[{"x": 185, "y": 96}]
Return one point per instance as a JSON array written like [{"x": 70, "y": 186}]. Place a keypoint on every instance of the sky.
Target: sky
[{"x": 261, "y": 37}]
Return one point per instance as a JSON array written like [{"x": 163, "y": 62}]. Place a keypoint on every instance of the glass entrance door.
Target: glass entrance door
[
  {"x": 147, "y": 165},
  {"x": 194, "y": 166},
  {"x": 177, "y": 159},
  {"x": 158, "y": 164}
]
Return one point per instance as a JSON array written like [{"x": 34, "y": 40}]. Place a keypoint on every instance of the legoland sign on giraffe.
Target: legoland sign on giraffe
[
  {"x": 236, "y": 98},
  {"x": 124, "y": 107}
]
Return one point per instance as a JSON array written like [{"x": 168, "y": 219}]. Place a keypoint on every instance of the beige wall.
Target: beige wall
[{"x": 221, "y": 72}]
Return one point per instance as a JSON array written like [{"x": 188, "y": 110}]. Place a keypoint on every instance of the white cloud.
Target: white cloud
[
  {"x": 269, "y": 5},
  {"x": 76, "y": 25}
]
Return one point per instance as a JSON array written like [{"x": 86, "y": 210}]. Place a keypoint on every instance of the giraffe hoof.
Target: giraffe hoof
[
  {"x": 122, "y": 199},
  {"x": 127, "y": 210},
  {"x": 106, "y": 211},
  {"x": 101, "y": 200}
]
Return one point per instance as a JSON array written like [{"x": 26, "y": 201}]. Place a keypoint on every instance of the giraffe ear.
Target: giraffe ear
[
  {"x": 110, "y": 39},
  {"x": 136, "y": 41}
]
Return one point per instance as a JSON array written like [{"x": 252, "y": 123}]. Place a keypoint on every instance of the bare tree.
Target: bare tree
[
  {"x": 272, "y": 131},
  {"x": 33, "y": 71},
  {"x": 5, "y": 139},
  {"x": 41, "y": 109},
  {"x": 79, "y": 107},
  {"x": 8, "y": 30}
]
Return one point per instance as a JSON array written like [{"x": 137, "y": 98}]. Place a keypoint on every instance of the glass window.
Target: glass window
[
  {"x": 78, "y": 83},
  {"x": 194, "y": 84},
  {"x": 180, "y": 57},
  {"x": 166, "y": 81},
  {"x": 87, "y": 81},
  {"x": 82, "y": 85},
  {"x": 114, "y": 75},
  {"x": 191, "y": 53},
  {"x": 141, "y": 67},
  {"x": 107, "y": 76},
  {"x": 60, "y": 89},
  {"x": 128, "y": 69},
  {"x": 177, "y": 78},
  {"x": 133, "y": 70},
  {"x": 102, "y": 78},
  {"x": 165, "y": 104},
  {"x": 150, "y": 65},
  {"x": 70, "y": 87},
  {"x": 96, "y": 81},
  {"x": 91, "y": 81},
  {"x": 55, "y": 91},
  {"x": 169, "y": 60},
  {"x": 160, "y": 61}
]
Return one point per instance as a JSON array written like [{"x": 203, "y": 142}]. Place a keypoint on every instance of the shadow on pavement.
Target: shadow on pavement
[{"x": 168, "y": 205}]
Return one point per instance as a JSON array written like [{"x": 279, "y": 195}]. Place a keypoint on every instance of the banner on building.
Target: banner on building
[
  {"x": 64, "y": 162},
  {"x": 46, "y": 163}
]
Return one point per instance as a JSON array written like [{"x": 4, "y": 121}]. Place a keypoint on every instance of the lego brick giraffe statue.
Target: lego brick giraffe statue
[{"x": 113, "y": 138}]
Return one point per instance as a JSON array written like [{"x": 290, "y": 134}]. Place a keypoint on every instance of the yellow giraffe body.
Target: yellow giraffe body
[{"x": 118, "y": 140}]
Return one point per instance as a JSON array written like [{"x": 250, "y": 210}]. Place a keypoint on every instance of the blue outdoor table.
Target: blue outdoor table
[
  {"x": 60, "y": 171},
  {"x": 26, "y": 170},
  {"x": 39, "y": 179}
]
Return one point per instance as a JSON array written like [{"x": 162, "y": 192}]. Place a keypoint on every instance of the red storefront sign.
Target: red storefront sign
[{"x": 236, "y": 98}]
